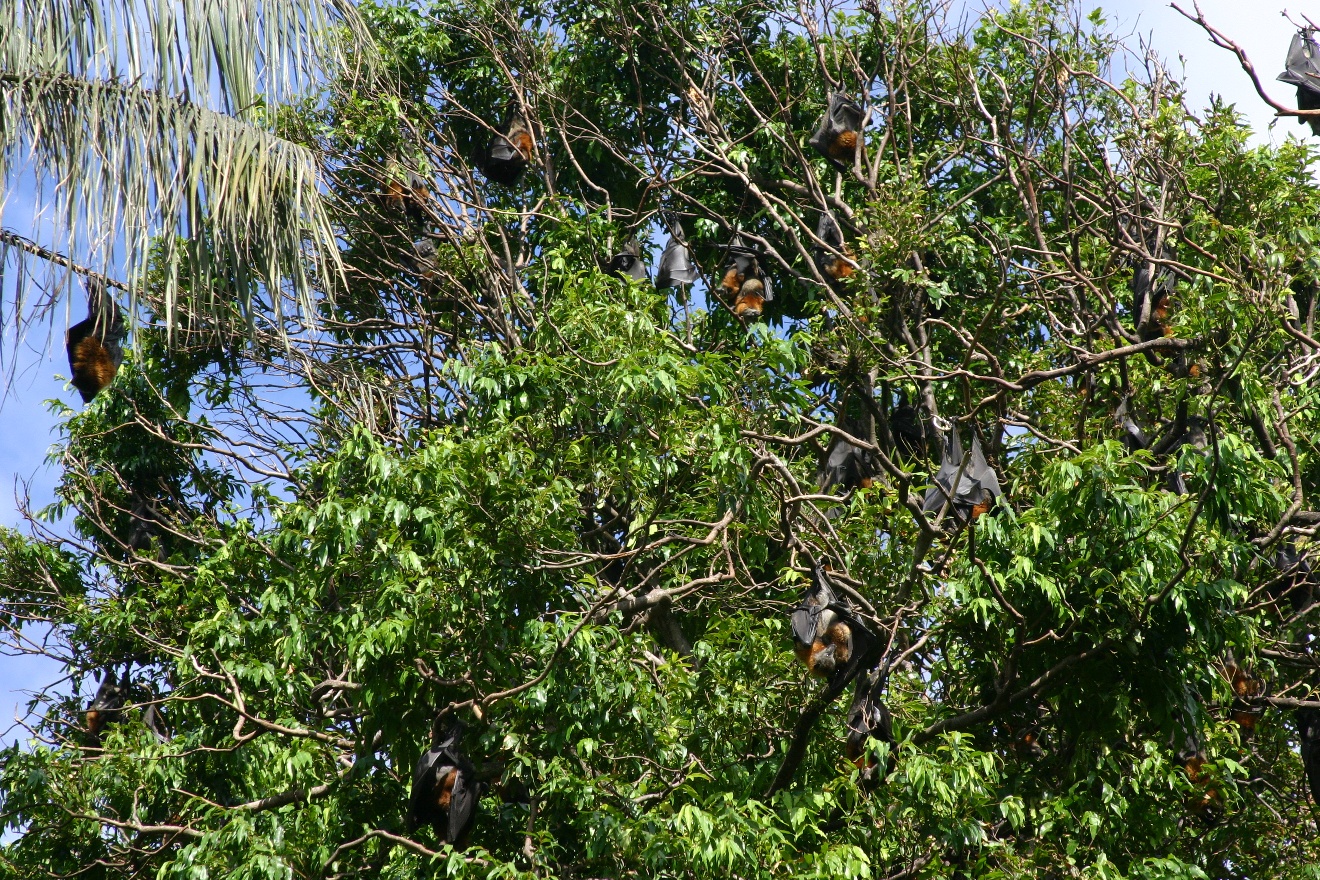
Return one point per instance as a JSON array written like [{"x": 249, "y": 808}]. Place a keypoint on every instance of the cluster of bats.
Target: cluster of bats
[
  {"x": 836, "y": 644},
  {"x": 829, "y": 635},
  {"x": 743, "y": 279}
]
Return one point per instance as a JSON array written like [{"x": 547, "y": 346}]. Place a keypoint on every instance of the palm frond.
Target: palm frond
[{"x": 145, "y": 125}]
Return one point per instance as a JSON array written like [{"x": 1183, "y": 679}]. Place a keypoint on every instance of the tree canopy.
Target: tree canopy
[{"x": 1031, "y": 396}]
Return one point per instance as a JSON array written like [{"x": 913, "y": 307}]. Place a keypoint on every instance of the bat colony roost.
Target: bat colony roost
[
  {"x": 828, "y": 635},
  {"x": 1296, "y": 584}
]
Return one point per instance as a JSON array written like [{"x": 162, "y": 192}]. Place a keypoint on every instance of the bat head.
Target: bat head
[
  {"x": 750, "y": 302},
  {"x": 824, "y": 659}
]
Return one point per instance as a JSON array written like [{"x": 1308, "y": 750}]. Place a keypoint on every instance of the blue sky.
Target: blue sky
[{"x": 27, "y": 429}]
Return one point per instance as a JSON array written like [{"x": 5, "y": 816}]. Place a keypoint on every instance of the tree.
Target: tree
[{"x": 501, "y": 484}]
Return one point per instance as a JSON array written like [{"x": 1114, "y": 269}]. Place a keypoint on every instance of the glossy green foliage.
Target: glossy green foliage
[{"x": 575, "y": 512}]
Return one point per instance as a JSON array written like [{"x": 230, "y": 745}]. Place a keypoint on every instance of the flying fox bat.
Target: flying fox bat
[
  {"x": 834, "y": 260},
  {"x": 909, "y": 437},
  {"x": 107, "y": 704},
  {"x": 839, "y": 132},
  {"x": 847, "y": 464},
  {"x": 827, "y": 636},
  {"x": 1133, "y": 437},
  {"x": 1298, "y": 580},
  {"x": 676, "y": 267},
  {"x": 95, "y": 343},
  {"x": 407, "y": 193},
  {"x": 509, "y": 151},
  {"x": 869, "y": 718},
  {"x": 1308, "y": 731},
  {"x": 445, "y": 792},
  {"x": 744, "y": 280},
  {"x": 977, "y": 488},
  {"x": 1302, "y": 69},
  {"x": 1247, "y": 688},
  {"x": 628, "y": 262}
]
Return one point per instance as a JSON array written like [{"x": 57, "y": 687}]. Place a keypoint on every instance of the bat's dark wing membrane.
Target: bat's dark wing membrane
[
  {"x": 504, "y": 162},
  {"x": 742, "y": 259},
  {"x": 827, "y": 230},
  {"x": 421, "y": 801},
  {"x": 987, "y": 481},
  {"x": 864, "y": 644},
  {"x": 463, "y": 805},
  {"x": 1133, "y": 437},
  {"x": 950, "y": 464},
  {"x": 1298, "y": 581},
  {"x": 676, "y": 266},
  {"x": 1308, "y": 729},
  {"x": 109, "y": 696},
  {"x": 846, "y": 463},
  {"x": 845, "y": 113},
  {"x": 806, "y": 616},
  {"x": 841, "y": 115},
  {"x": 905, "y": 425},
  {"x": 155, "y": 722},
  {"x": 503, "y": 150},
  {"x": 803, "y": 623},
  {"x": 841, "y": 467},
  {"x": 1302, "y": 69},
  {"x": 868, "y": 716}
]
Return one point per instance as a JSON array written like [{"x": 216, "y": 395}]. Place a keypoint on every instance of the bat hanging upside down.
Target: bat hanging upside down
[{"x": 95, "y": 345}]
